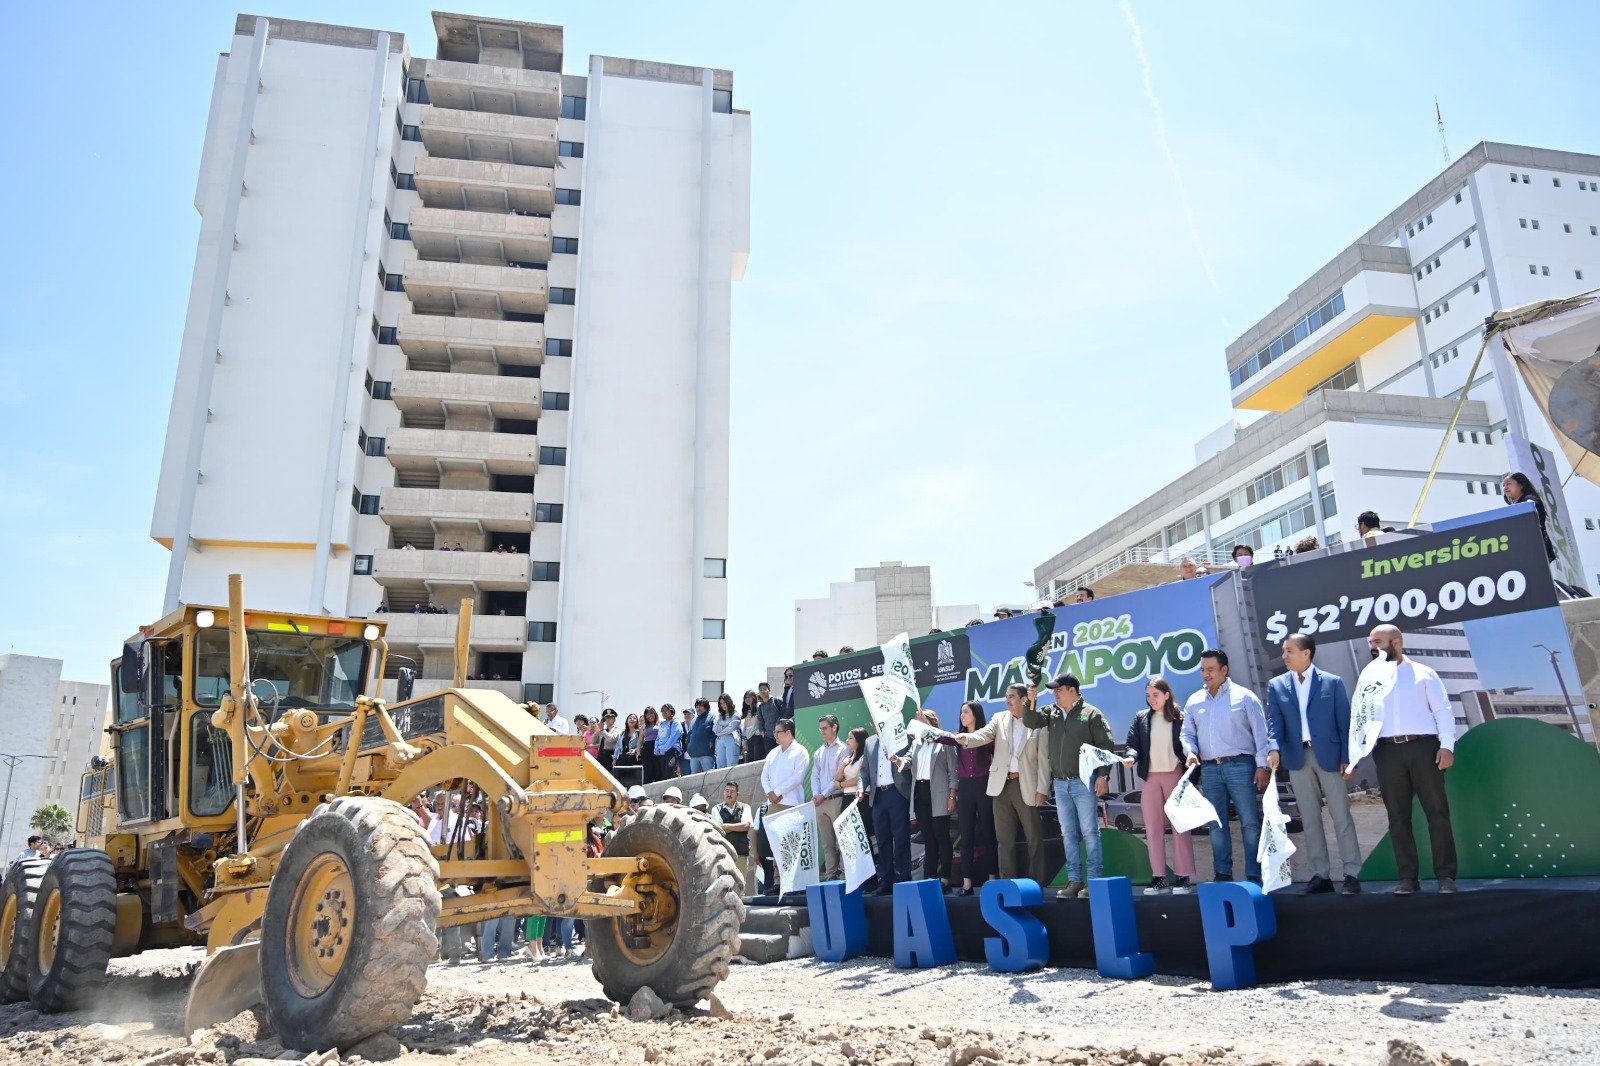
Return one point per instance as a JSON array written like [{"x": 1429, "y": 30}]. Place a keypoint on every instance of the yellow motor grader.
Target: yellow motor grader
[{"x": 255, "y": 801}]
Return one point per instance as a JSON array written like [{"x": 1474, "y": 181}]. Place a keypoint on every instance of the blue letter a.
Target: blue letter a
[{"x": 921, "y": 926}]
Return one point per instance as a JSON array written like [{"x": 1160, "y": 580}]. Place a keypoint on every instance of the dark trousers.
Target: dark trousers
[
  {"x": 605, "y": 758},
  {"x": 756, "y": 748},
  {"x": 933, "y": 819},
  {"x": 651, "y": 764},
  {"x": 1012, "y": 812},
  {"x": 975, "y": 810},
  {"x": 1409, "y": 770},
  {"x": 891, "y": 819}
]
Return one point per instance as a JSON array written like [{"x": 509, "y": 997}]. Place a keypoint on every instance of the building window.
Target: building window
[
  {"x": 401, "y": 181},
  {"x": 722, "y": 101},
  {"x": 1419, "y": 275},
  {"x": 379, "y": 390},
  {"x": 400, "y": 231},
  {"x": 1330, "y": 503},
  {"x": 569, "y": 197},
  {"x": 1582, "y": 185},
  {"x": 552, "y": 456},
  {"x": 1594, "y": 231},
  {"x": 1458, "y": 198},
  {"x": 546, "y": 572},
  {"x": 533, "y": 692},
  {"x": 1525, "y": 179},
  {"x": 363, "y": 565},
  {"x": 1556, "y": 182},
  {"x": 574, "y": 107},
  {"x": 355, "y": 499},
  {"x": 1319, "y": 454},
  {"x": 716, "y": 568},
  {"x": 1535, "y": 223},
  {"x": 416, "y": 91},
  {"x": 1344, "y": 380},
  {"x": 1475, "y": 287},
  {"x": 1466, "y": 242},
  {"x": 1522, "y": 222},
  {"x": 369, "y": 504},
  {"x": 410, "y": 133},
  {"x": 547, "y": 512},
  {"x": 1545, "y": 271},
  {"x": 564, "y": 245},
  {"x": 556, "y": 401},
  {"x": 1566, "y": 227},
  {"x": 542, "y": 632},
  {"x": 1411, "y": 231},
  {"x": 1532, "y": 269},
  {"x": 570, "y": 149},
  {"x": 391, "y": 282},
  {"x": 714, "y": 628},
  {"x": 388, "y": 335},
  {"x": 1588, "y": 523},
  {"x": 1578, "y": 274},
  {"x": 563, "y": 296},
  {"x": 1290, "y": 337},
  {"x": 555, "y": 346},
  {"x": 375, "y": 445},
  {"x": 1184, "y": 529}
]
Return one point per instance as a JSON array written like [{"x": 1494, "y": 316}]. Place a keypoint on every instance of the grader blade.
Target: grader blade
[{"x": 228, "y": 982}]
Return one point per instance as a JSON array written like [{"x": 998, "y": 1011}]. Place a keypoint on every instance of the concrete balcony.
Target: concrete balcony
[
  {"x": 438, "y": 570},
  {"x": 480, "y": 186},
  {"x": 1357, "y": 302},
  {"x": 477, "y": 287},
  {"x": 424, "y": 392},
  {"x": 463, "y": 450},
  {"x": 474, "y": 87},
  {"x": 499, "y": 512},
  {"x": 491, "y": 138},
  {"x": 448, "y": 339},
  {"x": 489, "y": 632},
  {"x": 438, "y": 233}
]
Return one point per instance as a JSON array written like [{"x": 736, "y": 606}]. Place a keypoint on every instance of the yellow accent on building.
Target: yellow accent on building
[{"x": 1306, "y": 371}]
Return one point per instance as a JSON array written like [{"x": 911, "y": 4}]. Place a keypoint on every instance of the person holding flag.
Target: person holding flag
[
  {"x": 1068, "y": 727},
  {"x": 1018, "y": 780}
]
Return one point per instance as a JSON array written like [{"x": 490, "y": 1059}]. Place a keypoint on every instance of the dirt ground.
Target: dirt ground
[{"x": 863, "y": 1013}]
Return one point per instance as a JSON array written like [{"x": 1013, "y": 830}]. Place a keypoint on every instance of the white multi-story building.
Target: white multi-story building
[
  {"x": 881, "y": 603},
  {"x": 460, "y": 327},
  {"x": 1361, "y": 370},
  {"x": 49, "y": 730}
]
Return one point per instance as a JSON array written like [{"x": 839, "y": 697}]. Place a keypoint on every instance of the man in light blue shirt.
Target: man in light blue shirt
[
  {"x": 669, "y": 741},
  {"x": 1225, "y": 733}
]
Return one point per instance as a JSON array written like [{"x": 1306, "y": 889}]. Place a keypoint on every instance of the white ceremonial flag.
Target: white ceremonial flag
[
  {"x": 851, "y": 831},
  {"x": 886, "y": 695},
  {"x": 1366, "y": 707},
  {"x": 796, "y": 846},
  {"x": 919, "y": 730},
  {"x": 1187, "y": 809},
  {"x": 1275, "y": 848},
  {"x": 1091, "y": 758}
]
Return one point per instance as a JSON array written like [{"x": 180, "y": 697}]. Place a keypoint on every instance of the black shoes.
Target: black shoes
[
  {"x": 1317, "y": 886},
  {"x": 1352, "y": 887},
  {"x": 1406, "y": 887},
  {"x": 1447, "y": 886},
  {"x": 964, "y": 891}
]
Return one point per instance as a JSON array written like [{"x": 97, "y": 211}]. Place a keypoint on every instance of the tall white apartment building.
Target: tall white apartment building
[
  {"x": 460, "y": 327},
  {"x": 881, "y": 603},
  {"x": 1361, "y": 369},
  {"x": 49, "y": 730}
]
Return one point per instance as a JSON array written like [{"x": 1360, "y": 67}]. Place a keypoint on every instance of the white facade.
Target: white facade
[
  {"x": 49, "y": 729},
  {"x": 882, "y": 602},
  {"x": 1376, "y": 349},
  {"x": 465, "y": 303}
]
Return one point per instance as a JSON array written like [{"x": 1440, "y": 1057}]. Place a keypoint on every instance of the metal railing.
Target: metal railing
[{"x": 1136, "y": 556}]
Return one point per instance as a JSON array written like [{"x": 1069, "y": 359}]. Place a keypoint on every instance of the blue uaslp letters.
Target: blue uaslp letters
[{"x": 1235, "y": 916}]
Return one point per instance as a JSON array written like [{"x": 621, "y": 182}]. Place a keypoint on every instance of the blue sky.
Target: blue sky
[{"x": 978, "y": 320}]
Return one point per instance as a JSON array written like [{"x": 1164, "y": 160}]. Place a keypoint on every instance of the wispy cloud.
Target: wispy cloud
[{"x": 1166, "y": 144}]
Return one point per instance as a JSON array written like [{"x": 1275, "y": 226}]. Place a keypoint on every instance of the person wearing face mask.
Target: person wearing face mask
[{"x": 1243, "y": 555}]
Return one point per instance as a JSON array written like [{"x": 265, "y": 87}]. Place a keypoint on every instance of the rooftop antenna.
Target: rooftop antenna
[{"x": 1443, "y": 144}]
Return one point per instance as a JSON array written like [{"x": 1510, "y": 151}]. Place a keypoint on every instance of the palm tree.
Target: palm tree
[{"x": 53, "y": 822}]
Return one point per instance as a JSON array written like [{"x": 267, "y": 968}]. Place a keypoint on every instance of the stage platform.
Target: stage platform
[{"x": 1541, "y": 932}]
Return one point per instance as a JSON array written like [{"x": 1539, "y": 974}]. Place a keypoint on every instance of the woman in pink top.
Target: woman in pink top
[{"x": 1153, "y": 742}]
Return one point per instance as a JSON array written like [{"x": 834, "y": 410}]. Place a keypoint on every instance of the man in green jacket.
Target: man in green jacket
[{"x": 1068, "y": 726}]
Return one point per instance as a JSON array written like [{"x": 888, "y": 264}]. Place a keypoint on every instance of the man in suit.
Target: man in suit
[
  {"x": 1019, "y": 781},
  {"x": 886, "y": 785},
  {"x": 1308, "y": 723}
]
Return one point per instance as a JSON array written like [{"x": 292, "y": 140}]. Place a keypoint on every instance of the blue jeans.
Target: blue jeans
[
  {"x": 497, "y": 936},
  {"x": 700, "y": 764},
  {"x": 727, "y": 751},
  {"x": 1233, "y": 782},
  {"x": 1078, "y": 812},
  {"x": 565, "y": 928}
]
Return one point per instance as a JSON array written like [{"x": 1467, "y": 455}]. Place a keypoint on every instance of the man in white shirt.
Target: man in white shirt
[
  {"x": 34, "y": 850},
  {"x": 825, "y": 795},
  {"x": 1416, "y": 745},
  {"x": 557, "y": 724},
  {"x": 783, "y": 780}
]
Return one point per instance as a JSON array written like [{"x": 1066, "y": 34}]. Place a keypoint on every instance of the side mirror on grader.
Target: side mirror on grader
[{"x": 259, "y": 808}]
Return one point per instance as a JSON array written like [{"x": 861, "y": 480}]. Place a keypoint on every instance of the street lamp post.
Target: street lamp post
[
  {"x": 1566, "y": 697},
  {"x": 11, "y": 769}
]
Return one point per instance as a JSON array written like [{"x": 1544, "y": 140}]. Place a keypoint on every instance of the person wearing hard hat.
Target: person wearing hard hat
[{"x": 698, "y": 802}]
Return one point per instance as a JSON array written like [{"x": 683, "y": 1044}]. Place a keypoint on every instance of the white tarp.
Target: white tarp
[
  {"x": 854, "y": 846},
  {"x": 1187, "y": 809},
  {"x": 1275, "y": 848},
  {"x": 1544, "y": 340},
  {"x": 796, "y": 846},
  {"x": 1366, "y": 707}
]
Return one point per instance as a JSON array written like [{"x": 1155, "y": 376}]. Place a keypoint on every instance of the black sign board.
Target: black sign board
[{"x": 937, "y": 659}]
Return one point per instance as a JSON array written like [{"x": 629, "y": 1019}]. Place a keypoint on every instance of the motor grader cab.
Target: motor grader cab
[{"x": 255, "y": 802}]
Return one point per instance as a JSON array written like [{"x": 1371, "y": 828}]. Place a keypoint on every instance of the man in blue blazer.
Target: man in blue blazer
[{"x": 1308, "y": 723}]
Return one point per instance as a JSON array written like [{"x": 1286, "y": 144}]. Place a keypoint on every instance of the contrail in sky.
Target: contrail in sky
[{"x": 1166, "y": 145}]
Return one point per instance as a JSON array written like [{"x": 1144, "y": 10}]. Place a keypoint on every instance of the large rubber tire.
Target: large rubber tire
[
  {"x": 16, "y": 926},
  {"x": 74, "y": 924},
  {"x": 688, "y": 954},
  {"x": 358, "y": 883}
]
